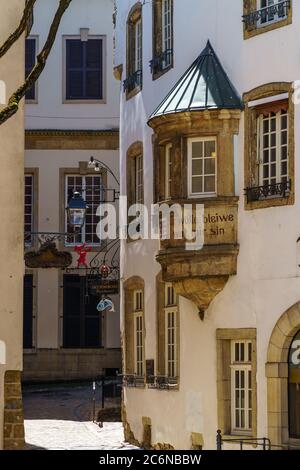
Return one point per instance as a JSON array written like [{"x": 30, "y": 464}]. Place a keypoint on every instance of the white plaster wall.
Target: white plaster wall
[
  {"x": 49, "y": 308},
  {"x": 267, "y": 282},
  {"x": 50, "y": 112},
  {"x": 11, "y": 196}
]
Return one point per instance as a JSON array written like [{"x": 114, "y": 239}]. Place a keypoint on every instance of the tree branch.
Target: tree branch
[
  {"x": 20, "y": 29},
  {"x": 14, "y": 100}
]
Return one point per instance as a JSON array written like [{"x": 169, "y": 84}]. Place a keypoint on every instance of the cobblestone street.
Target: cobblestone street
[{"x": 58, "y": 417}]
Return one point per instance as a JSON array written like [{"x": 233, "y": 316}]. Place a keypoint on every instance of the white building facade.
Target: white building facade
[
  {"x": 211, "y": 337},
  {"x": 71, "y": 115}
]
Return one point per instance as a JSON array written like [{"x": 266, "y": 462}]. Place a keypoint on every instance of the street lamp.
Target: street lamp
[
  {"x": 98, "y": 165},
  {"x": 76, "y": 211}
]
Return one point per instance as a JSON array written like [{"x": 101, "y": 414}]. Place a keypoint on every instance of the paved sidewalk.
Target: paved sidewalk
[{"x": 58, "y": 418}]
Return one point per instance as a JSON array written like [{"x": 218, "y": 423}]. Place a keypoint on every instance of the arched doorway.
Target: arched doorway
[
  {"x": 283, "y": 390},
  {"x": 294, "y": 388}
]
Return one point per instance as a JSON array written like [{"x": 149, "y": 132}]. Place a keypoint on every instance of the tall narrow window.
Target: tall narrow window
[
  {"x": 91, "y": 187},
  {"x": 167, "y": 32},
  {"x": 168, "y": 171},
  {"x": 28, "y": 210},
  {"x": 273, "y": 146},
  {"x": 30, "y": 59},
  {"x": 202, "y": 155},
  {"x": 171, "y": 348},
  {"x": 138, "y": 333},
  {"x": 162, "y": 37},
  {"x": 134, "y": 51},
  {"x": 139, "y": 180},
  {"x": 84, "y": 69},
  {"x": 241, "y": 383}
]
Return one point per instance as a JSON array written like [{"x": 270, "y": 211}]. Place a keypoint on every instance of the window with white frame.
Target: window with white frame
[
  {"x": 241, "y": 386},
  {"x": 272, "y": 11},
  {"x": 168, "y": 170},
  {"x": 167, "y": 32},
  {"x": 139, "y": 180},
  {"x": 273, "y": 147},
  {"x": 202, "y": 166},
  {"x": 134, "y": 76},
  {"x": 171, "y": 325},
  {"x": 28, "y": 209},
  {"x": 92, "y": 189},
  {"x": 138, "y": 300}
]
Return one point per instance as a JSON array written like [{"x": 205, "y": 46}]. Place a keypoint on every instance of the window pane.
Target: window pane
[
  {"x": 197, "y": 167},
  {"x": 209, "y": 184},
  {"x": 197, "y": 186},
  {"x": 210, "y": 148},
  {"x": 209, "y": 166},
  {"x": 197, "y": 150},
  {"x": 75, "y": 85},
  {"x": 93, "y": 85},
  {"x": 74, "y": 53},
  {"x": 94, "y": 53}
]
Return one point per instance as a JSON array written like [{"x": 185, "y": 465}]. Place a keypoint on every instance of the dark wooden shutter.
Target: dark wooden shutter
[
  {"x": 92, "y": 319},
  {"x": 28, "y": 312},
  {"x": 93, "y": 69},
  {"x": 74, "y": 69},
  {"x": 72, "y": 312},
  {"x": 30, "y": 58},
  {"x": 81, "y": 320}
]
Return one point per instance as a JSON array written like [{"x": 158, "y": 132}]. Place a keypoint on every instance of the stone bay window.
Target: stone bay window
[{"x": 194, "y": 129}]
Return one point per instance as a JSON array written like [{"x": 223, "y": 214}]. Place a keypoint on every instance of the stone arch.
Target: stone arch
[{"x": 277, "y": 374}]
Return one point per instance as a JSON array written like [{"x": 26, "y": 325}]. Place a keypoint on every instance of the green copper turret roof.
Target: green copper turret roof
[{"x": 205, "y": 85}]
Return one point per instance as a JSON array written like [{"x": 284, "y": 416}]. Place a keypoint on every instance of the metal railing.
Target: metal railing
[
  {"x": 132, "y": 81},
  {"x": 162, "y": 382},
  {"x": 161, "y": 61},
  {"x": 263, "y": 443},
  {"x": 268, "y": 191},
  {"x": 268, "y": 14},
  {"x": 133, "y": 381}
]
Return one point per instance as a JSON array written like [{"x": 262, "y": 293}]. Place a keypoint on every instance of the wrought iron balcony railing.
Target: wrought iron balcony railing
[
  {"x": 266, "y": 15},
  {"x": 162, "y": 382},
  {"x": 161, "y": 61},
  {"x": 133, "y": 381},
  {"x": 268, "y": 191},
  {"x": 133, "y": 81}
]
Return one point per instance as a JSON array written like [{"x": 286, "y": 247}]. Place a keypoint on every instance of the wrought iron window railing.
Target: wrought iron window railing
[
  {"x": 133, "y": 381},
  {"x": 161, "y": 61},
  {"x": 162, "y": 382},
  {"x": 133, "y": 81},
  {"x": 267, "y": 15},
  {"x": 268, "y": 191}
]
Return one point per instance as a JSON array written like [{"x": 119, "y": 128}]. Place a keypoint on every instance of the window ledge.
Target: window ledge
[
  {"x": 157, "y": 75},
  {"x": 249, "y": 33},
  {"x": 130, "y": 94},
  {"x": 270, "y": 202}
]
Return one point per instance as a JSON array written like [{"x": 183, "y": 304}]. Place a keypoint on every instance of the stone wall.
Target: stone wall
[
  {"x": 13, "y": 412},
  {"x": 56, "y": 364}
]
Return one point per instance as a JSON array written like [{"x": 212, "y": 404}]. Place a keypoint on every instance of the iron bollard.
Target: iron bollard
[
  {"x": 219, "y": 439},
  {"x": 94, "y": 401}
]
